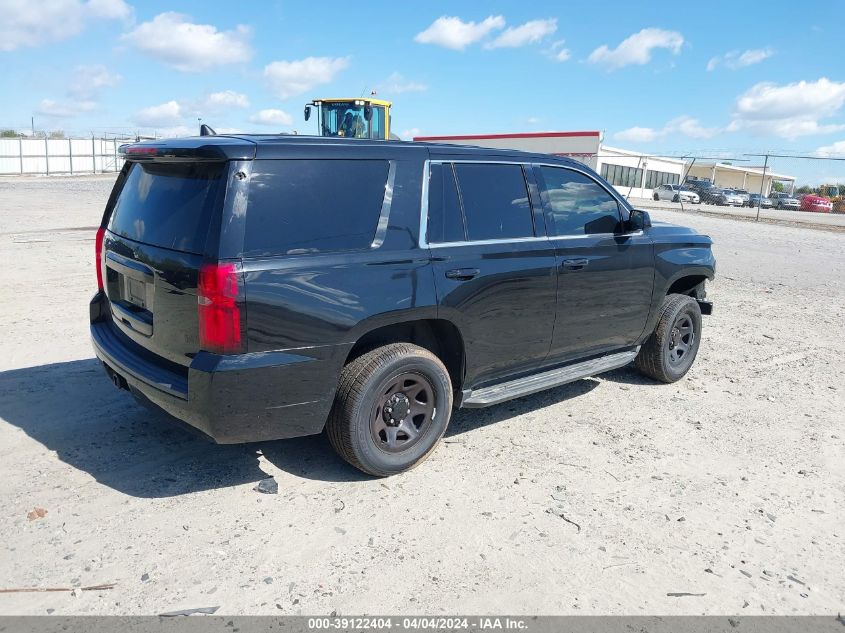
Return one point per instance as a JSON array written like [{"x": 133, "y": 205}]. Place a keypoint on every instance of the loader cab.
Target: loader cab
[{"x": 351, "y": 118}]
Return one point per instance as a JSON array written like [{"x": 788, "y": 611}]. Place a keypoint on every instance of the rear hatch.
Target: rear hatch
[{"x": 156, "y": 240}]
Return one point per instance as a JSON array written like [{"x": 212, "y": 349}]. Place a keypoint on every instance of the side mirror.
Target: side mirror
[
  {"x": 368, "y": 112},
  {"x": 638, "y": 220},
  {"x": 307, "y": 112}
]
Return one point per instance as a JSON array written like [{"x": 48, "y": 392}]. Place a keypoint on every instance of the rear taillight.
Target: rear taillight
[
  {"x": 98, "y": 253},
  {"x": 219, "y": 314}
]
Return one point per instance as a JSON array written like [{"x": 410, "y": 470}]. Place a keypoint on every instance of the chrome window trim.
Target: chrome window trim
[
  {"x": 423, "y": 239},
  {"x": 509, "y": 240},
  {"x": 384, "y": 216}
]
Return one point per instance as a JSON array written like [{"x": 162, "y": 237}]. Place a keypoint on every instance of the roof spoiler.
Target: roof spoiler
[{"x": 168, "y": 153}]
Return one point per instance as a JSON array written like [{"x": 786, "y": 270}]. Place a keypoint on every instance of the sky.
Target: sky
[{"x": 673, "y": 78}]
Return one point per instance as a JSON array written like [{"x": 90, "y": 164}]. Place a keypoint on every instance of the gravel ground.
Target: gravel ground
[{"x": 720, "y": 494}]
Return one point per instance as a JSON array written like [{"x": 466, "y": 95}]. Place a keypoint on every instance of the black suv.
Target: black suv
[
  {"x": 265, "y": 287},
  {"x": 707, "y": 192}
]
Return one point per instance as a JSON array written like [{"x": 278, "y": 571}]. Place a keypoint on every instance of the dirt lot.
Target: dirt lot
[{"x": 720, "y": 494}]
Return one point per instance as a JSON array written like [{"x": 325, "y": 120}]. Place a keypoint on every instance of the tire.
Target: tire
[
  {"x": 661, "y": 357},
  {"x": 676, "y": 199},
  {"x": 378, "y": 386},
  {"x": 656, "y": 197}
]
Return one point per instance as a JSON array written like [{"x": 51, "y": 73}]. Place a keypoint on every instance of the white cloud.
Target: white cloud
[
  {"x": 528, "y": 33},
  {"x": 410, "y": 133},
  {"x": 680, "y": 126},
  {"x": 637, "y": 134},
  {"x": 691, "y": 127},
  {"x": 288, "y": 79},
  {"x": 454, "y": 33},
  {"x": 176, "y": 41},
  {"x": 217, "y": 101},
  {"x": 637, "y": 48},
  {"x": 836, "y": 149},
  {"x": 165, "y": 114},
  {"x": 532, "y": 120},
  {"x": 735, "y": 59},
  {"x": 397, "y": 84},
  {"x": 65, "y": 109},
  {"x": 110, "y": 9},
  {"x": 24, "y": 23},
  {"x": 88, "y": 81},
  {"x": 557, "y": 52},
  {"x": 271, "y": 117},
  {"x": 789, "y": 110}
]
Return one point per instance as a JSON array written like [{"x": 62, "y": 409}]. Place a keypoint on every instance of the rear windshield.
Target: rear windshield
[
  {"x": 169, "y": 205},
  {"x": 313, "y": 206}
]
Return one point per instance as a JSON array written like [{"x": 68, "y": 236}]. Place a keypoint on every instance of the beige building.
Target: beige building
[{"x": 740, "y": 177}]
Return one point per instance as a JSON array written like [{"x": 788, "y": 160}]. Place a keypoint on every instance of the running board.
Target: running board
[{"x": 546, "y": 380}]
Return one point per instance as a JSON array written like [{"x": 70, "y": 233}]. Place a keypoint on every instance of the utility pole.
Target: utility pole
[{"x": 762, "y": 184}]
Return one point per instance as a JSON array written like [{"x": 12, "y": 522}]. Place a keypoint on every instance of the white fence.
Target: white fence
[{"x": 46, "y": 156}]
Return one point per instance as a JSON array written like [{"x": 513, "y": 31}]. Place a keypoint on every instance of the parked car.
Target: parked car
[
  {"x": 726, "y": 197},
  {"x": 819, "y": 204},
  {"x": 745, "y": 195},
  {"x": 783, "y": 200},
  {"x": 266, "y": 287},
  {"x": 707, "y": 192},
  {"x": 763, "y": 202},
  {"x": 676, "y": 193}
]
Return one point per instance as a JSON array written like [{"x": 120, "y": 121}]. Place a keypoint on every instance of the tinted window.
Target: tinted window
[
  {"x": 169, "y": 205},
  {"x": 445, "y": 222},
  {"x": 578, "y": 205},
  {"x": 495, "y": 201},
  {"x": 310, "y": 206}
]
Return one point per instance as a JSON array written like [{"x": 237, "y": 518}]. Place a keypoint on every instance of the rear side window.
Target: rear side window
[
  {"x": 313, "y": 206},
  {"x": 495, "y": 201},
  {"x": 169, "y": 205},
  {"x": 578, "y": 205},
  {"x": 445, "y": 222}
]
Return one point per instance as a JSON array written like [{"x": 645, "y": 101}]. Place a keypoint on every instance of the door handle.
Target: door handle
[
  {"x": 575, "y": 264},
  {"x": 462, "y": 274}
]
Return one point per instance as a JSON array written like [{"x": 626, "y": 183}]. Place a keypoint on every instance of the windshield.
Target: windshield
[{"x": 344, "y": 118}]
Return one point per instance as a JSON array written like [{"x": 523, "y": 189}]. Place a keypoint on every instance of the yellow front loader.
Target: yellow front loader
[
  {"x": 352, "y": 118},
  {"x": 836, "y": 197}
]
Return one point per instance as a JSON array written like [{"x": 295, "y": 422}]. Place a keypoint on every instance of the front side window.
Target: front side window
[
  {"x": 377, "y": 122},
  {"x": 577, "y": 204},
  {"x": 312, "y": 206},
  {"x": 495, "y": 201}
]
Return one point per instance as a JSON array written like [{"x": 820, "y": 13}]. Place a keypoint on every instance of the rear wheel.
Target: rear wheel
[
  {"x": 669, "y": 352},
  {"x": 656, "y": 197},
  {"x": 391, "y": 409}
]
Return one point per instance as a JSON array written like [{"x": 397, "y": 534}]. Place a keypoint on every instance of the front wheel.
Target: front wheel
[
  {"x": 656, "y": 197},
  {"x": 392, "y": 407},
  {"x": 669, "y": 352}
]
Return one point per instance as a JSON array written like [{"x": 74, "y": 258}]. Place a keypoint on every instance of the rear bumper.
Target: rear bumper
[{"x": 230, "y": 399}]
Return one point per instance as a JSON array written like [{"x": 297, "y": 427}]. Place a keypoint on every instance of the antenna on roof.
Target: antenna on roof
[{"x": 207, "y": 130}]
